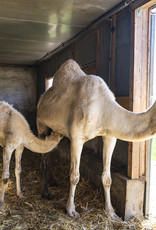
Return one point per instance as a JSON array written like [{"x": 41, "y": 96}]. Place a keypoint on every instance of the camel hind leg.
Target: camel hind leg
[
  {"x": 108, "y": 148},
  {"x": 76, "y": 149},
  {"x": 7, "y": 153},
  {"x": 18, "y": 156}
]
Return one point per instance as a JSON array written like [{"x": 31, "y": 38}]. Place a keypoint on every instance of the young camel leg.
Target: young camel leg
[
  {"x": 108, "y": 148},
  {"x": 7, "y": 153},
  {"x": 18, "y": 156},
  {"x": 76, "y": 149}
]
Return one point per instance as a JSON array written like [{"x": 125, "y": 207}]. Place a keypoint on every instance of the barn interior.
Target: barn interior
[{"x": 108, "y": 38}]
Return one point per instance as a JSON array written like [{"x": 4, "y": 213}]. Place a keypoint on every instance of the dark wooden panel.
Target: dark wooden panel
[
  {"x": 123, "y": 101},
  {"x": 122, "y": 70},
  {"x": 123, "y": 30},
  {"x": 51, "y": 67},
  {"x": 40, "y": 80},
  {"x": 90, "y": 68},
  {"x": 85, "y": 50},
  {"x": 64, "y": 55},
  {"x": 123, "y": 25},
  {"x": 120, "y": 156},
  {"x": 105, "y": 52}
]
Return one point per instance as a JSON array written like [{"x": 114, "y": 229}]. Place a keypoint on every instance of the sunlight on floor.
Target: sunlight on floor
[{"x": 153, "y": 190}]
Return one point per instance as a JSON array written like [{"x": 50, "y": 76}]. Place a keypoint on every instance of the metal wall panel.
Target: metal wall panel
[{"x": 85, "y": 50}]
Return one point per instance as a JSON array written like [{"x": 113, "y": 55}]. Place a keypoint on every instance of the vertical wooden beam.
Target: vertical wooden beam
[
  {"x": 98, "y": 52},
  {"x": 139, "y": 87},
  {"x": 73, "y": 51},
  {"x": 129, "y": 170},
  {"x": 113, "y": 51}
]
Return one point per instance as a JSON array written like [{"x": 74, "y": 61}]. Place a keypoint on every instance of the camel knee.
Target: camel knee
[
  {"x": 74, "y": 178},
  {"x": 106, "y": 179}
]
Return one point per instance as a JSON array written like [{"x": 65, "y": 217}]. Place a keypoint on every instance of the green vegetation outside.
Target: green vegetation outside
[{"x": 153, "y": 150}]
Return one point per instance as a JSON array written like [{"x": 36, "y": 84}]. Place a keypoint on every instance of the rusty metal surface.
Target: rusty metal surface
[{"x": 31, "y": 28}]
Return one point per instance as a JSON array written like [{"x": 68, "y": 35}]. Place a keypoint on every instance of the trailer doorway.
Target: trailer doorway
[
  {"x": 152, "y": 98},
  {"x": 142, "y": 95}
]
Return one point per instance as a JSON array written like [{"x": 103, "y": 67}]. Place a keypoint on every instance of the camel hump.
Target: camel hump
[
  {"x": 69, "y": 71},
  {"x": 5, "y": 108}
]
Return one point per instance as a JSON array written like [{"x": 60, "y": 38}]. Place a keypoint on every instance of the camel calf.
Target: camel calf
[{"x": 15, "y": 134}]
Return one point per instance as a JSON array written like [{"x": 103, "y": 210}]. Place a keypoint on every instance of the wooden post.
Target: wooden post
[
  {"x": 113, "y": 49},
  {"x": 98, "y": 52},
  {"x": 139, "y": 86}
]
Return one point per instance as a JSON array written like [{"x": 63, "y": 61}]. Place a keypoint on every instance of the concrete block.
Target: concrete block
[{"x": 127, "y": 196}]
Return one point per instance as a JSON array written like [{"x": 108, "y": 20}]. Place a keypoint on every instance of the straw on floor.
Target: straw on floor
[{"x": 33, "y": 212}]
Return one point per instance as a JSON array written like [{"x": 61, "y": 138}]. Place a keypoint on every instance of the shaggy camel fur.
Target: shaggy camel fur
[
  {"x": 81, "y": 107},
  {"x": 15, "y": 134}
]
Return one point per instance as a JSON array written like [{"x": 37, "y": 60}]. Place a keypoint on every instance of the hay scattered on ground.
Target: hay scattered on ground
[{"x": 33, "y": 212}]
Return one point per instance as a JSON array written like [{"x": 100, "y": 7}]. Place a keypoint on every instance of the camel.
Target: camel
[
  {"x": 81, "y": 107},
  {"x": 15, "y": 134}
]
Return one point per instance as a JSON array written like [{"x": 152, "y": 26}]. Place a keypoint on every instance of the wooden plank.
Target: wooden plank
[
  {"x": 130, "y": 147},
  {"x": 85, "y": 49},
  {"x": 139, "y": 89},
  {"x": 90, "y": 68},
  {"x": 73, "y": 51},
  {"x": 123, "y": 101},
  {"x": 113, "y": 49},
  {"x": 98, "y": 49}
]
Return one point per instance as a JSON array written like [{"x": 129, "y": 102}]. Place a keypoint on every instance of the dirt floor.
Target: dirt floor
[{"x": 33, "y": 212}]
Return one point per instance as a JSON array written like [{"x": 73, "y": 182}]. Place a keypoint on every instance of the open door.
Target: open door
[
  {"x": 142, "y": 93},
  {"x": 151, "y": 163}
]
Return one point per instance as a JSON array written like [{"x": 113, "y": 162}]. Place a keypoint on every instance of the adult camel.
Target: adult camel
[{"x": 81, "y": 107}]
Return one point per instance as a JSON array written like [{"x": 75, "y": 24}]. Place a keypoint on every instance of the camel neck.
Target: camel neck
[{"x": 129, "y": 126}]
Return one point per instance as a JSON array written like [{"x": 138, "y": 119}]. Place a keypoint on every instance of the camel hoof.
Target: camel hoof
[
  {"x": 114, "y": 216},
  {"x": 20, "y": 195},
  {"x": 73, "y": 214},
  {"x": 47, "y": 196}
]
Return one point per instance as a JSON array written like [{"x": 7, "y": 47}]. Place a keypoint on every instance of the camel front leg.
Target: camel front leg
[
  {"x": 108, "y": 148},
  {"x": 18, "y": 156},
  {"x": 7, "y": 152},
  {"x": 76, "y": 149}
]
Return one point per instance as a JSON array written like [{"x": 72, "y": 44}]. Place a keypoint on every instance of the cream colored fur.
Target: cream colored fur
[
  {"x": 15, "y": 134},
  {"x": 81, "y": 107}
]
